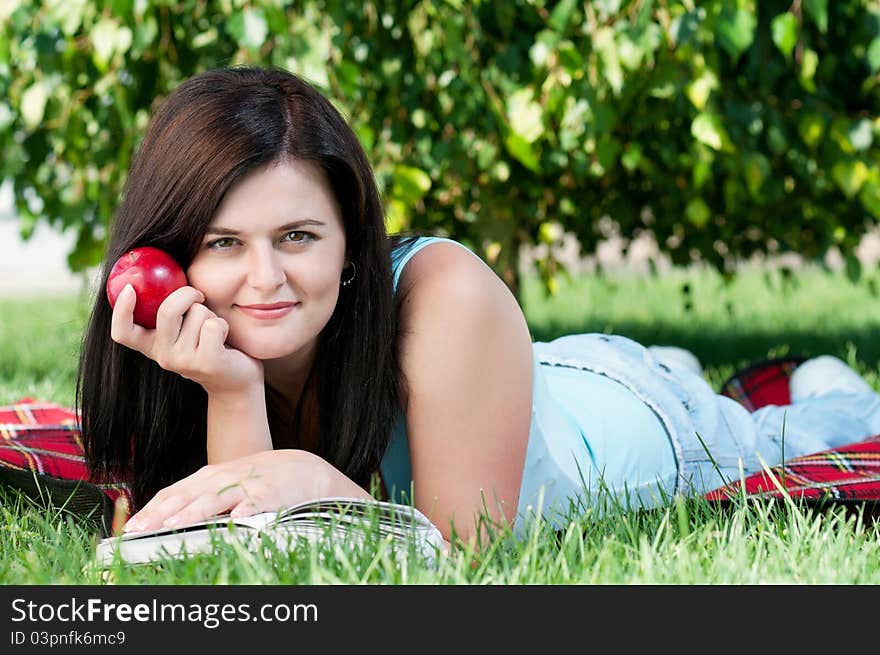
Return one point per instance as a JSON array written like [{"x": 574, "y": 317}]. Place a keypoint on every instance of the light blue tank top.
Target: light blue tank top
[{"x": 589, "y": 434}]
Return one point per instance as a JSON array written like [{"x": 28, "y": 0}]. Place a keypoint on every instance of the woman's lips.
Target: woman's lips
[{"x": 267, "y": 311}]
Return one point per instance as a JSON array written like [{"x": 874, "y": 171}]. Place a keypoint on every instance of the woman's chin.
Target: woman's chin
[{"x": 267, "y": 351}]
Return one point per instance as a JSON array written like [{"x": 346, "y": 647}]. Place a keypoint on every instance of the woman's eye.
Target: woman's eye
[
  {"x": 297, "y": 236},
  {"x": 221, "y": 243}
]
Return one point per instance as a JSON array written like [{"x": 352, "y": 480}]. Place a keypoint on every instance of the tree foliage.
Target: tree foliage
[{"x": 725, "y": 127}]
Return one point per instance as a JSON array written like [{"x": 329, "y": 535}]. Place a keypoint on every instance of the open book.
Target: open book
[{"x": 352, "y": 520}]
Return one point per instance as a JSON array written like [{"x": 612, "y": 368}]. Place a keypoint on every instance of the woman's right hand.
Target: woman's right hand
[{"x": 189, "y": 340}]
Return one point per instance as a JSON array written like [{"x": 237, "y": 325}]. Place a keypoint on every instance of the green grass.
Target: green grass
[
  {"x": 39, "y": 346},
  {"x": 689, "y": 542}
]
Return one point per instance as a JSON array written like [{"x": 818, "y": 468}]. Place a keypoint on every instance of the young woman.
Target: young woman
[{"x": 311, "y": 355}]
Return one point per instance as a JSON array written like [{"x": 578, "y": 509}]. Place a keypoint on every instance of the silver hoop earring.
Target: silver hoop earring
[{"x": 345, "y": 283}]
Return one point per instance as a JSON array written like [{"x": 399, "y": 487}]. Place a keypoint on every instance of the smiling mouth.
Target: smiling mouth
[
  {"x": 273, "y": 305},
  {"x": 268, "y": 310}
]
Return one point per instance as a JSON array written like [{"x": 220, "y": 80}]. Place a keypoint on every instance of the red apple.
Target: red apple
[{"x": 153, "y": 273}]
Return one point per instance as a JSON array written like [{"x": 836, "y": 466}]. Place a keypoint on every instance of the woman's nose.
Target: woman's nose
[{"x": 265, "y": 271}]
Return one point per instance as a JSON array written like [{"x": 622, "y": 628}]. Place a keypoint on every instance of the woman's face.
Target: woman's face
[{"x": 271, "y": 260}]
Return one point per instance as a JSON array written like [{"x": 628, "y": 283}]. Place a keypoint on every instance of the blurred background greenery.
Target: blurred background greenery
[{"x": 723, "y": 128}]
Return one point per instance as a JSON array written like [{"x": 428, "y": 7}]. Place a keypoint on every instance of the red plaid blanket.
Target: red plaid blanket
[
  {"x": 41, "y": 453},
  {"x": 764, "y": 383},
  {"x": 849, "y": 474},
  {"x": 846, "y": 474}
]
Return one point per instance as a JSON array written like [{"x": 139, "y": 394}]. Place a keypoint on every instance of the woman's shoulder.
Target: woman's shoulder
[
  {"x": 431, "y": 261},
  {"x": 448, "y": 293}
]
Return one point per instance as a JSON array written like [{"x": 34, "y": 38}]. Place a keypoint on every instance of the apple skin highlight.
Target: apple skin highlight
[{"x": 153, "y": 273}]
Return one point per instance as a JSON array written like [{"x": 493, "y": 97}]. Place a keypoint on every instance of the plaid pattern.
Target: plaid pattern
[
  {"x": 765, "y": 383},
  {"x": 849, "y": 474},
  {"x": 41, "y": 442}
]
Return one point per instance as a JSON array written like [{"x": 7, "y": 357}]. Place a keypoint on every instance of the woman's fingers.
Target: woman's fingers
[
  {"x": 154, "y": 514},
  {"x": 246, "y": 507},
  {"x": 212, "y": 335},
  {"x": 156, "y": 344},
  {"x": 190, "y": 332},
  {"x": 207, "y": 505},
  {"x": 123, "y": 329},
  {"x": 167, "y": 502},
  {"x": 170, "y": 316},
  {"x": 209, "y": 491},
  {"x": 255, "y": 483}
]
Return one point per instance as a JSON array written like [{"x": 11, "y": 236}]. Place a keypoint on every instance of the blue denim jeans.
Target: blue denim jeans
[{"x": 710, "y": 439}]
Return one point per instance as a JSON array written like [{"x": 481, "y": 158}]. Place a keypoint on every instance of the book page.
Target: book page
[
  {"x": 351, "y": 519},
  {"x": 257, "y": 522},
  {"x": 349, "y": 509}
]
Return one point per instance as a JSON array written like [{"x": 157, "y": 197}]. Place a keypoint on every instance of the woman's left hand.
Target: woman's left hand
[{"x": 263, "y": 482}]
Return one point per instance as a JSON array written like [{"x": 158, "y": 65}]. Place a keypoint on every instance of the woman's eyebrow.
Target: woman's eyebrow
[{"x": 225, "y": 231}]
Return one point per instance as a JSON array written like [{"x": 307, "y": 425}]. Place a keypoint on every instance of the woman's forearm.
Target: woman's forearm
[{"x": 237, "y": 425}]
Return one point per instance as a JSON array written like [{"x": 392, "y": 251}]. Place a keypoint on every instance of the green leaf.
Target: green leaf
[
  {"x": 522, "y": 151},
  {"x": 818, "y": 11},
  {"x": 576, "y": 118},
  {"x": 784, "y": 28},
  {"x": 874, "y": 55},
  {"x": 501, "y": 171},
  {"x": 708, "y": 128},
  {"x": 548, "y": 232},
  {"x": 756, "y": 168},
  {"x": 249, "y": 28},
  {"x": 736, "y": 29},
  {"x": 853, "y": 268},
  {"x": 698, "y": 213},
  {"x": 7, "y": 117},
  {"x": 684, "y": 29},
  {"x": 524, "y": 115},
  {"x": 410, "y": 184},
  {"x": 870, "y": 195},
  {"x": 145, "y": 33},
  {"x": 776, "y": 140},
  {"x": 87, "y": 252},
  {"x": 839, "y": 131},
  {"x": 606, "y": 46},
  {"x": 632, "y": 156},
  {"x": 811, "y": 127},
  {"x": 33, "y": 104},
  {"x": 699, "y": 90},
  {"x": 850, "y": 175},
  {"x": 68, "y": 14},
  {"x": 540, "y": 51},
  {"x": 396, "y": 216},
  {"x": 570, "y": 58},
  {"x": 809, "y": 64},
  {"x": 702, "y": 172},
  {"x": 608, "y": 148},
  {"x": 109, "y": 38},
  {"x": 560, "y": 17},
  {"x": 606, "y": 8},
  {"x": 861, "y": 135},
  {"x": 630, "y": 53},
  {"x": 204, "y": 39}
]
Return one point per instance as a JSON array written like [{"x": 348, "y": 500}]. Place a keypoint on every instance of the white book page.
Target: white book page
[{"x": 257, "y": 521}]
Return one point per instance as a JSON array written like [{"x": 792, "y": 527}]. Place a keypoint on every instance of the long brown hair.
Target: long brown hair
[{"x": 147, "y": 426}]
